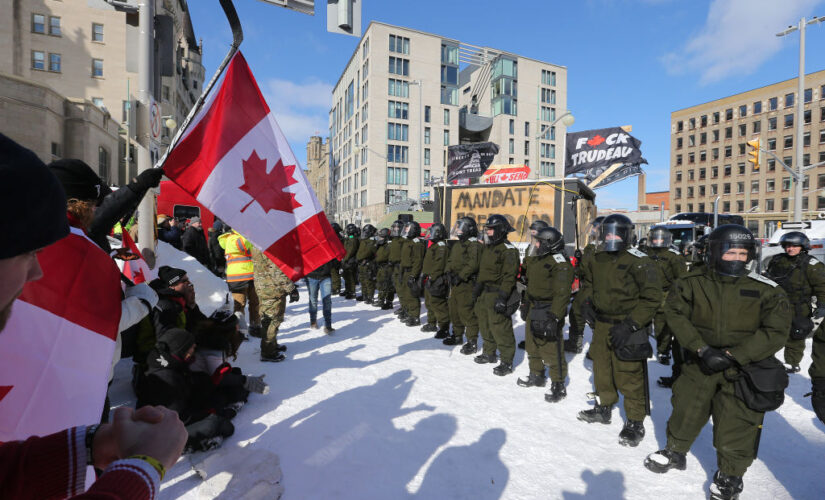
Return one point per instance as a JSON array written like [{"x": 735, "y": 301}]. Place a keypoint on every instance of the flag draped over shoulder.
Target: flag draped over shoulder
[
  {"x": 235, "y": 161},
  {"x": 56, "y": 350},
  {"x": 134, "y": 266}
]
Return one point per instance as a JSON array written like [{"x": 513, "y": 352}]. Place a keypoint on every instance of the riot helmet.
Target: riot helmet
[
  {"x": 437, "y": 232},
  {"x": 593, "y": 232},
  {"x": 659, "y": 237},
  {"x": 698, "y": 248},
  {"x": 396, "y": 228},
  {"x": 547, "y": 240},
  {"x": 411, "y": 230},
  {"x": 537, "y": 226},
  {"x": 795, "y": 239},
  {"x": 615, "y": 233},
  {"x": 383, "y": 236},
  {"x": 367, "y": 232},
  {"x": 352, "y": 230},
  {"x": 464, "y": 229},
  {"x": 500, "y": 226},
  {"x": 727, "y": 237},
  {"x": 337, "y": 228}
]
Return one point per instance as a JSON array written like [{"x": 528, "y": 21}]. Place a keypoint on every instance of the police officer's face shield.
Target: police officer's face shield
[
  {"x": 405, "y": 233},
  {"x": 732, "y": 258},
  {"x": 396, "y": 229},
  {"x": 538, "y": 247},
  {"x": 365, "y": 234},
  {"x": 614, "y": 237},
  {"x": 594, "y": 233},
  {"x": 659, "y": 238},
  {"x": 460, "y": 230}
]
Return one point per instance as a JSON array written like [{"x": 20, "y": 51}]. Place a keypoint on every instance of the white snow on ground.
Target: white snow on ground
[{"x": 382, "y": 411}]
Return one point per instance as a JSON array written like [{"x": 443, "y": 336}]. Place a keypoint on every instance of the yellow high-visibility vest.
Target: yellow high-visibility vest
[{"x": 238, "y": 251}]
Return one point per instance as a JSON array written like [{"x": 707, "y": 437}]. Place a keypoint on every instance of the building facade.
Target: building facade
[
  {"x": 708, "y": 154},
  {"x": 88, "y": 50},
  {"x": 318, "y": 169},
  {"x": 406, "y": 95}
]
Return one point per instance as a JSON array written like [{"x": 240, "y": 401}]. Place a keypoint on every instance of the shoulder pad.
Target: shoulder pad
[
  {"x": 472, "y": 238},
  {"x": 559, "y": 258},
  {"x": 507, "y": 244},
  {"x": 441, "y": 243},
  {"x": 636, "y": 252},
  {"x": 814, "y": 261},
  {"x": 675, "y": 251},
  {"x": 415, "y": 240},
  {"x": 759, "y": 277}
]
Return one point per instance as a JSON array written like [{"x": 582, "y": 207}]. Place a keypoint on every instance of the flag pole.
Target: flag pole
[{"x": 237, "y": 38}]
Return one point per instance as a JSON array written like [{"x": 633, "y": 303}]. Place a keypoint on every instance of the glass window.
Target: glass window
[
  {"x": 526, "y": 147},
  {"x": 789, "y": 100},
  {"x": 446, "y": 117},
  {"x": 426, "y": 135},
  {"x": 449, "y": 54},
  {"x": 789, "y": 120},
  {"x": 692, "y": 123},
  {"x": 703, "y": 138},
  {"x": 399, "y": 44},
  {"x": 728, "y": 132},
  {"x": 680, "y": 126},
  {"x": 449, "y": 95},
  {"x": 743, "y": 130},
  {"x": 526, "y": 129},
  {"x": 512, "y": 146},
  {"x": 446, "y": 137},
  {"x": 715, "y": 117},
  {"x": 743, "y": 111},
  {"x": 426, "y": 156},
  {"x": 757, "y": 107},
  {"x": 97, "y": 32},
  {"x": 54, "y": 26},
  {"x": 729, "y": 114},
  {"x": 38, "y": 59},
  {"x": 399, "y": 66},
  {"x": 427, "y": 114},
  {"x": 38, "y": 23},
  {"x": 772, "y": 123},
  {"x": 773, "y": 103},
  {"x": 704, "y": 120},
  {"x": 715, "y": 136},
  {"x": 512, "y": 126},
  {"x": 772, "y": 144},
  {"x": 757, "y": 127},
  {"x": 54, "y": 63},
  {"x": 449, "y": 74},
  {"x": 809, "y": 95},
  {"x": 678, "y": 143},
  {"x": 398, "y": 88}
]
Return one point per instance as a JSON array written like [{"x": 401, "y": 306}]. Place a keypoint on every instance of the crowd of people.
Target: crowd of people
[{"x": 711, "y": 315}]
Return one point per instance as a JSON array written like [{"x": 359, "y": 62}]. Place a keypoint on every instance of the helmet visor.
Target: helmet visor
[{"x": 659, "y": 238}]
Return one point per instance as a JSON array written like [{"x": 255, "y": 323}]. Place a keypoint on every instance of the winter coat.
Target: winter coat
[
  {"x": 322, "y": 272},
  {"x": 171, "y": 235},
  {"x": 194, "y": 243},
  {"x": 217, "y": 257}
]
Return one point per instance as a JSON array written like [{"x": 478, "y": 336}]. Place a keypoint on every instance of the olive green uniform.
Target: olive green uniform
[
  {"x": 383, "y": 280},
  {"x": 549, "y": 279},
  {"x": 620, "y": 285},
  {"x": 817, "y": 369},
  {"x": 497, "y": 271},
  {"x": 350, "y": 264},
  {"x": 395, "y": 261},
  {"x": 272, "y": 286},
  {"x": 463, "y": 262},
  {"x": 672, "y": 266},
  {"x": 435, "y": 268},
  {"x": 366, "y": 267},
  {"x": 576, "y": 317},
  {"x": 412, "y": 260},
  {"x": 335, "y": 276},
  {"x": 801, "y": 277},
  {"x": 748, "y": 316}
]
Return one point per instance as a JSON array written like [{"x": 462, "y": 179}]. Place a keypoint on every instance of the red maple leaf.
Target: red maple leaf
[
  {"x": 4, "y": 389},
  {"x": 596, "y": 141},
  {"x": 268, "y": 188}
]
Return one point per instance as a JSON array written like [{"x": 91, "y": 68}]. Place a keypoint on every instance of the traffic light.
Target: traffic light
[{"x": 754, "y": 153}]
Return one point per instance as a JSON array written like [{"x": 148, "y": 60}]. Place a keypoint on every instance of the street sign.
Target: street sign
[
  {"x": 154, "y": 120},
  {"x": 425, "y": 196}
]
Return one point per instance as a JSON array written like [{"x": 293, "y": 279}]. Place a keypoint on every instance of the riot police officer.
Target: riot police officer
[
  {"x": 366, "y": 263},
  {"x": 498, "y": 268},
  {"x": 383, "y": 280},
  {"x": 671, "y": 267},
  {"x": 575, "y": 343},
  {"x": 725, "y": 319},
  {"x": 624, "y": 290},
  {"x": 412, "y": 260},
  {"x": 350, "y": 262},
  {"x": 395, "y": 261},
  {"x": 549, "y": 277},
  {"x": 801, "y": 276},
  {"x": 535, "y": 227},
  {"x": 462, "y": 265},
  {"x": 335, "y": 272},
  {"x": 437, "y": 284}
]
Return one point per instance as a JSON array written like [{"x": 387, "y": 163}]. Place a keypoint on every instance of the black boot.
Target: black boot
[
  {"x": 368, "y": 300},
  {"x": 632, "y": 433},
  {"x": 666, "y": 382},
  {"x": 522, "y": 344},
  {"x": 442, "y": 333},
  {"x": 274, "y": 357},
  {"x": 557, "y": 392},
  {"x": 574, "y": 343},
  {"x": 664, "y": 460},
  {"x": 597, "y": 415},
  {"x": 359, "y": 298},
  {"x": 349, "y": 296},
  {"x": 725, "y": 487},
  {"x": 411, "y": 321},
  {"x": 453, "y": 340},
  {"x": 664, "y": 358},
  {"x": 403, "y": 316},
  {"x": 532, "y": 380},
  {"x": 429, "y": 327},
  {"x": 788, "y": 369},
  {"x": 485, "y": 358},
  {"x": 471, "y": 347},
  {"x": 818, "y": 397},
  {"x": 386, "y": 306},
  {"x": 503, "y": 369},
  {"x": 399, "y": 311}
]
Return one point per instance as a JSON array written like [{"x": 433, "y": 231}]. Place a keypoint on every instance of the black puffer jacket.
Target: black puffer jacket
[{"x": 194, "y": 243}]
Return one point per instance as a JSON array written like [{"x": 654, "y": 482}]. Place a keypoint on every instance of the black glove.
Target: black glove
[
  {"x": 620, "y": 333},
  {"x": 801, "y": 326},
  {"x": 293, "y": 295},
  {"x": 714, "y": 360},
  {"x": 455, "y": 279},
  {"x": 819, "y": 312},
  {"x": 501, "y": 303},
  {"x": 411, "y": 281},
  {"x": 146, "y": 179}
]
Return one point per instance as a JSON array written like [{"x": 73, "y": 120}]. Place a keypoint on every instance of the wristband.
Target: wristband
[
  {"x": 91, "y": 430},
  {"x": 153, "y": 462}
]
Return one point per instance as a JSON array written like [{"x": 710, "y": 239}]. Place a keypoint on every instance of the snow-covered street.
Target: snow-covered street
[{"x": 382, "y": 411}]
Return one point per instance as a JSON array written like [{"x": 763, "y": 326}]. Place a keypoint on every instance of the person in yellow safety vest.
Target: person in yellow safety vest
[{"x": 240, "y": 277}]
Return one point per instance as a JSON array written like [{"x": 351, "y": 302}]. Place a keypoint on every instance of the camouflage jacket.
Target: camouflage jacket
[{"x": 268, "y": 278}]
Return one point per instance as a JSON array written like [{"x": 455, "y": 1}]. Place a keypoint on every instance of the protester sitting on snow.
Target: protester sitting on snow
[
  {"x": 133, "y": 450},
  {"x": 169, "y": 231},
  {"x": 194, "y": 241},
  {"x": 204, "y": 406}
]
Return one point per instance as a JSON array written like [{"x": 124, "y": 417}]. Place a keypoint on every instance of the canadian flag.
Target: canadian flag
[
  {"x": 235, "y": 161},
  {"x": 56, "y": 350},
  {"x": 134, "y": 266}
]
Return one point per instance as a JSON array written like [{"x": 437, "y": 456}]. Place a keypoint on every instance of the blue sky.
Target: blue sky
[{"x": 630, "y": 62}]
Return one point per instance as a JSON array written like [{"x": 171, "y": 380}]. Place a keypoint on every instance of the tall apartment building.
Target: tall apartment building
[
  {"x": 406, "y": 95},
  {"x": 318, "y": 169},
  {"x": 708, "y": 153},
  {"x": 88, "y": 51}
]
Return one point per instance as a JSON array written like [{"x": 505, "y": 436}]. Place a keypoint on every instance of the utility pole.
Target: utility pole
[
  {"x": 800, "y": 110},
  {"x": 146, "y": 220}
]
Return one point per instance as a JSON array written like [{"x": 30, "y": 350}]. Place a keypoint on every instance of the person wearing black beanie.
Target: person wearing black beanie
[{"x": 84, "y": 190}]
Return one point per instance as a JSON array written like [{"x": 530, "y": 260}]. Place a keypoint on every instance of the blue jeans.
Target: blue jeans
[{"x": 325, "y": 285}]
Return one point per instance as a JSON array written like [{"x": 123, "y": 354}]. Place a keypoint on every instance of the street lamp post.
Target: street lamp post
[
  {"x": 800, "y": 106},
  {"x": 567, "y": 119}
]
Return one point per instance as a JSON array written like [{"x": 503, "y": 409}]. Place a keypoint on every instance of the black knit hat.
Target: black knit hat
[
  {"x": 32, "y": 202},
  {"x": 79, "y": 180},
  {"x": 170, "y": 275},
  {"x": 177, "y": 341}
]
